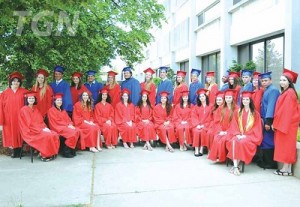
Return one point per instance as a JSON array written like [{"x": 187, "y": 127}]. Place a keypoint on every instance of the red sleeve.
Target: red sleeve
[
  {"x": 77, "y": 114},
  {"x": 138, "y": 117},
  {"x": 58, "y": 120}
]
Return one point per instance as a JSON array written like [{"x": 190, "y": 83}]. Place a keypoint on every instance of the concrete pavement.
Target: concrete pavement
[{"x": 135, "y": 177}]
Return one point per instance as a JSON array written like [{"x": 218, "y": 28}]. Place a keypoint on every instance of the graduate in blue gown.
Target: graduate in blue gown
[
  {"x": 194, "y": 86},
  {"x": 225, "y": 85},
  {"x": 61, "y": 86},
  {"x": 93, "y": 85},
  {"x": 248, "y": 86},
  {"x": 131, "y": 84},
  {"x": 164, "y": 85}
]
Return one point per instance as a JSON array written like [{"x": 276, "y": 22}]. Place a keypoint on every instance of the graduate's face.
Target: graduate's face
[
  {"x": 110, "y": 79},
  {"x": 219, "y": 101},
  {"x": 231, "y": 81},
  {"x": 40, "y": 78},
  {"x": 91, "y": 78},
  {"x": 185, "y": 98},
  {"x": 104, "y": 96},
  {"x": 144, "y": 97},
  {"x": 30, "y": 100},
  {"x": 179, "y": 79},
  {"x": 255, "y": 82},
  {"x": 163, "y": 99},
  {"x": 127, "y": 74},
  {"x": 15, "y": 83},
  {"x": 246, "y": 101},
  {"x": 202, "y": 97},
  {"x": 85, "y": 96},
  {"x": 58, "y": 102},
  {"x": 162, "y": 74},
  {"x": 58, "y": 75},
  {"x": 75, "y": 79},
  {"x": 284, "y": 82},
  {"x": 148, "y": 76},
  {"x": 265, "y": 82},
  {"x": 125, "y": 97},
  {"x": 228, "y": 99},
  {"x": 194, "y": 77},
  {"x": 209, "y": 79},
  {"x": 224, "y": 79},
  {"x": 246, "y": 79}
]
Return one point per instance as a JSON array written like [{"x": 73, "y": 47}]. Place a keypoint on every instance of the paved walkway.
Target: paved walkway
[{"x": 134, "y": 177}]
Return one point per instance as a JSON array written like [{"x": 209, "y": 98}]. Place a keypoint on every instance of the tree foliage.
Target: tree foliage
[{"x": 103, "y": 29}]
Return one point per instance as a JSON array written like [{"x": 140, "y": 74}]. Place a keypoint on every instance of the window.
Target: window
[
  {"x": 200, "y": 19},
  {"x": 236, "y": 1},
  {"x": 210, "y": 13},
  {"x": 211, "y": 63},
  {"x": 181, "y": 35},
  {"x": 184, "y": 66}
]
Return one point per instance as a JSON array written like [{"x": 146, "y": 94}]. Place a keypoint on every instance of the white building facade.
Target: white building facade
[{"x": 209, "y": 34}]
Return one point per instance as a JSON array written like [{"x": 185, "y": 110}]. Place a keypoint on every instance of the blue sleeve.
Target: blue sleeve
[{"x": 272, "y": 99}]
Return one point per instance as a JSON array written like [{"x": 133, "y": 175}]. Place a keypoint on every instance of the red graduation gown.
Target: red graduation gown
[
  {"x": 212, "y": 92},
  {"x": 152, "y": 93},
  {"x": 124, "y": 114},
  {"x": 250, "y": 126},
  {"x": 215, "y": 118},
  {"x": 11, "y": 103},
  {"x": 75, "y": 93},
  {"x": 31, "y": 125},
  {"x": 114, "y": 94},
  {"x": 256, "y": 97},
  {"x": 59, "y": 122},
  {"x": 286, "y": 122},
  {"x": 177, "y": 93},
  {"x": 146, "y": 131},
  {"x": 179, "y": 115},
  {"x": 89, "y": 133},
  {"x": 45, "y": 103},
  {"x": 163, "y": 132},
  {"x": 103, "y": 113}
]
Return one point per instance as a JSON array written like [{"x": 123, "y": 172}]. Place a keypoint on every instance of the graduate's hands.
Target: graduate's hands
[
  {"x": 71, "y": 126},
  {"x": 108, "y": 122},
  {"x": 222, "y": 133},
  {"x": 183, "y": 122},
  {"x": 166, "y": 123},
  {"x": 200, "y": 126},
  {"x": 46, "y": 129},
  {"x": 146, "y": 121},
  {"x": 267, "y": 127},
  {"x": 129, "y": 123}
]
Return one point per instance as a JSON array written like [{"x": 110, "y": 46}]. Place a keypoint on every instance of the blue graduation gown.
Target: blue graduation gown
[
  {"x": 268, "y": 104},
  {"x": 135, "y": 89},
  {"x": 194, "y": 87},
  {"x": 94, "y": 88},
  {"x": 63, "y": 87},
  {"x": 224, "y": 87},
  {"x": 165, "y": 85}
]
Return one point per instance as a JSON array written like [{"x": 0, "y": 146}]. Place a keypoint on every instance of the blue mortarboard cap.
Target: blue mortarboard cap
[
  {"x": 265, "y": 75},
  {"x": 127, "y": 69},
  {"x": 247, "y": 72},
  {"x": 90, "y": 72},
  {"x": 163, "y": 68},
  {"x": 59, "y": 68},
  {"x": 196, "y": 71}
]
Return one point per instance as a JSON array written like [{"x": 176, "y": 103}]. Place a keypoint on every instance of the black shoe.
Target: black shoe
[
  {"x": 197, "y": 155},
  {"x": 200, "y": 154},
  {"x": 15, "y": 153},
  {"x": 67, "y": 152}
]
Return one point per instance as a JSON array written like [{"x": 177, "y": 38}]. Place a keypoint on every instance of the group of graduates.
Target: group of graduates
[{"x": 236, "y": 122}]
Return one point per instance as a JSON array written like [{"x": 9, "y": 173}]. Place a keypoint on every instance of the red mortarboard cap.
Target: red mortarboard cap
[
  {"x": 77, "y": 74},
  {"x": 104, "y": 90},
  {"x": 234, "y": 74},
  {"x": 220, "y": 94},
  {"x": 256, "y": 74},
  {"x": 184, "y": 93},
  {"x": 246, "y": 94},
  {"x": 164, "y": 94},
  {"x": 149, "y": 70},
  {"x": 59, "y": 68},
  {"x": 210, "y": 74},
  {"x": 125, "y": 90},
  {"x": 16, "y": 75},
  {"x": 112, "y": 73},
  {"x": 292, "y": 75},
  {"x": 144, "y": 91},
  {"x": 230, "y": 92},
  {"x": 58, "y": 95},
  {"x": 181, "y": 73},
  {"x": 43, "y": 72},
  {"x": 30, "y": 93},
  {"x": 201, "y": 91}
]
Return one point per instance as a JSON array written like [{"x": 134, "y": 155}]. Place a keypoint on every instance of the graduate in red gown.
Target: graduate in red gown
[
  {"x": 144, "y": 120},
  {"x": 105, "y": 118},
  {"x": 223, "y": 129},
  {"x": 12, "y": 100},
  {"x": 77, "y": 87},
  {"x": 233, "y": 83},
  {"x": 149, "y": 85},
  {"x": 162, "y": 115},
  {"x": 246, "y": 131},
  {"x": 83, "y": 118},
  {"x": 124, "y": 118},
  {"x": 286, "y": 123},
  {"x": 258, "y": 91},
  {"x": 201, "y": 117},
  {"x": 35, "y": 132},
  {"x": 182, "y": 121},
  {"x": 45, "y": 92},
  {"x": 211, "y": 86},
  {"x": 114, "y": 89},
  {"x": 61, "y": 123},
  {"x": 179, "y": 87}
]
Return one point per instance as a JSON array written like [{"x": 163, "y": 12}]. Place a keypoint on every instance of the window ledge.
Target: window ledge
[
  {"x": 207, "y": 23},
  {"x": 238, "y": 5}
]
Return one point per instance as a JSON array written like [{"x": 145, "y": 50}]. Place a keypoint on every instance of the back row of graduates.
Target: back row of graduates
[{"x": 226, "y": 131}]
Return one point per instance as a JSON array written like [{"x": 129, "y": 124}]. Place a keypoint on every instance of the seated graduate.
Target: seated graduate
[
  {"x": 124, "y": 118},
  {"x": 144, "y": 120},
  {"x": 35, "y": 132},
  {"x": 105, "y": 118},
  {"x": 247, "y": 133},
  {"x": 162, "y": 115},
  {"x": 83, "y": 118},
  {"x": 61, "y": 123}
]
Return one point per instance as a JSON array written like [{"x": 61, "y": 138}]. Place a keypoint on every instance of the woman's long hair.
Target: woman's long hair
[
  {"x": 89, "y": 102},
  {"x": 178, "y": 84},
  {"x": 26, "y": 101},
  {"x": 251, "y": 106},
  {"x": 11, "y": 80},
  {"x": 291, "y": 85},
  {"x": 234, "y": 85},
  {"x": 114, "y": 82},
  {"x": 232, "y": 107},
  {"x": 148, "y": 83},
  {"x": 140, "y": 103},
  {"x": 43, "y": 89},
  {"x": 168, "y": 107},
  {"x": 108, "y": 100},
  {"x": 61, "y": 107},
  {"x": 199, "y": 103},
  {"x": 188, "y": 102},
  {"x": 129, "y": 100},
  {"x": 79, "y": 84}
]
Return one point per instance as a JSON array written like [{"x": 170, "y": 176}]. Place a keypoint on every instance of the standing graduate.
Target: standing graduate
[
  {"x": 211, "y": 86},
  {"x": 246, "y": 77},
  {"x": 182, "y": 121},
  {"x": 35, "y": 132},
  {"x": 132, "y": 85},
  {"x": 247, "y": 133},
  {"x": 149, "y": 85},
  {"x": 162, "y": 115},
  {"x": 195, "y": 85},
  {"x": 258, "y": 91},
  {"x": 286, "y": 123},
  {"x": 44, "y": 91},
  {"x": 62, "y": 86},
  {"x": 180, "y": 87},
  {"x": 201, "y": 117},
  {"x": 164, "y": 85},
  {"x": 124, "y": 118},
  {"x": 93, "y": 85},
  {"x": 77, "y": 87},
  {"x": 144, "y": 120},
  {"x": 12, "y": 100},
  {"x": 114, "y": 89},
  {"x": 268, "y": 102},
  {"x": 224, "y": 79},
  {"x": 104, "y": 116},
  {"x": 61, "y": 123},
  {"x": 84, "y": 120},
  {"x": 233, "y": 83}
]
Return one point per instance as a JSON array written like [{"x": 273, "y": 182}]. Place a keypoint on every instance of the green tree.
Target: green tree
[{"x": 79, "y": 35}]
